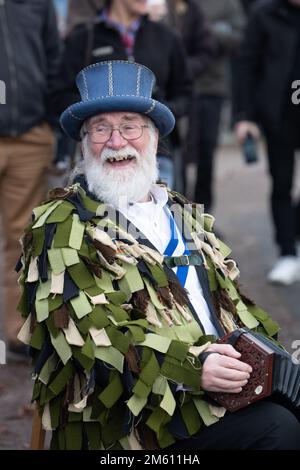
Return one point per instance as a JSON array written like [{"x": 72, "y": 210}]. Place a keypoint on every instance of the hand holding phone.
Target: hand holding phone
[{"x": 250, "y": 149}]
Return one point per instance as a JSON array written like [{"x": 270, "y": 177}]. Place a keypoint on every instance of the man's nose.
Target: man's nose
[{"x": 116, "y": 141}]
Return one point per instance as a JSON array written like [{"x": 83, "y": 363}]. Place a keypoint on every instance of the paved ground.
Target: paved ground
[{"x": 242, "y": 217}]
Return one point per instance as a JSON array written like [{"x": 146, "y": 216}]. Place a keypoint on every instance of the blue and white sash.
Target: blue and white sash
[{"x": 182, "y": 271}]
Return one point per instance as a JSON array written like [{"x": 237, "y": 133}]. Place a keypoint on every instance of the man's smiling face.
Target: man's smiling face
[
  {"x": 117, "y": 167},
  {"x": 118, "y": 152}
]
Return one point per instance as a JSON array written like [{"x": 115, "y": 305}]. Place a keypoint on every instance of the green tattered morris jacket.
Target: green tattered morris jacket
[{"x": 114, "y": 339}]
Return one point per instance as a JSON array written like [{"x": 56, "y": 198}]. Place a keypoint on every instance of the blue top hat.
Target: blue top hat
[{"x": 115, "y": 86}]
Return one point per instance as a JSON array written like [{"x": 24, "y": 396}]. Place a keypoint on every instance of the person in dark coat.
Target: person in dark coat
[
  {"x": 212, "y": 86},
  {"x": 268, "y": 64},
  {"x": 123, "y": 31},
  {"x": 187, "y": 19}
]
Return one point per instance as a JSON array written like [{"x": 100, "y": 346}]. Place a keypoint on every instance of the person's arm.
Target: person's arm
[
  {"x": 52, "y": 44},
  {"x": 53, "y": 49}
]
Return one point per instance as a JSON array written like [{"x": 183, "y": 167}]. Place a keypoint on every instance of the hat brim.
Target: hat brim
[{"x": 73, "y": 117}]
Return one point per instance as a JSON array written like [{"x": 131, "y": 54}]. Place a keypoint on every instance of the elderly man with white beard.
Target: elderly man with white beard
[
  {"x": 113, "y": 160},
  {"x": 126, "y": 291}
]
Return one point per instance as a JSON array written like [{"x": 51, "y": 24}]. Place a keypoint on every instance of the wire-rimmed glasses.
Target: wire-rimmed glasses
[{"x": 101, "y": 133}]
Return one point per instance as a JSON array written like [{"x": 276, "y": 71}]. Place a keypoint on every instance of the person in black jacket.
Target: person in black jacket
[
  {"x": 212, "y": 88},
  {"x": 29, "y": 51},
  {"x": 188, "y": 19},
  {"x": 269, "y": 62},
  {"x": 220, "y": 27},
  {"x": 123, "y": 31}
]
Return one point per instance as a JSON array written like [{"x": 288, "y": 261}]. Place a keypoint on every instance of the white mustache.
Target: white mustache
[{"x": 124, "y": 152}]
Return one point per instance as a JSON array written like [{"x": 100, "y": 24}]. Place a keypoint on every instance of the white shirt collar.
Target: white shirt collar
[{"x": 158, "y": 194}]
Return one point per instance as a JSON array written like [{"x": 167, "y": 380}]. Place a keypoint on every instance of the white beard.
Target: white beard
[{"x": 117, "y": 186}]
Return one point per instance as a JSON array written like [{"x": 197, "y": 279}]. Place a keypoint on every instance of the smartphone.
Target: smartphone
[{"x": 250, "y": 149}]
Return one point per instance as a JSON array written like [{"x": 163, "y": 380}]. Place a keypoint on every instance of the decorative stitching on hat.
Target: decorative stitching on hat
[
  {"x": 110, "y": 80},
  {"x": 117, "y": 96},
  {"x": 85, "y": 85},
  {"x": 73, "y": 115},
  {"x": 151, "y": 107},
  {"x": 138, "y": 81},
  {"x": 105, "y": 62}
]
